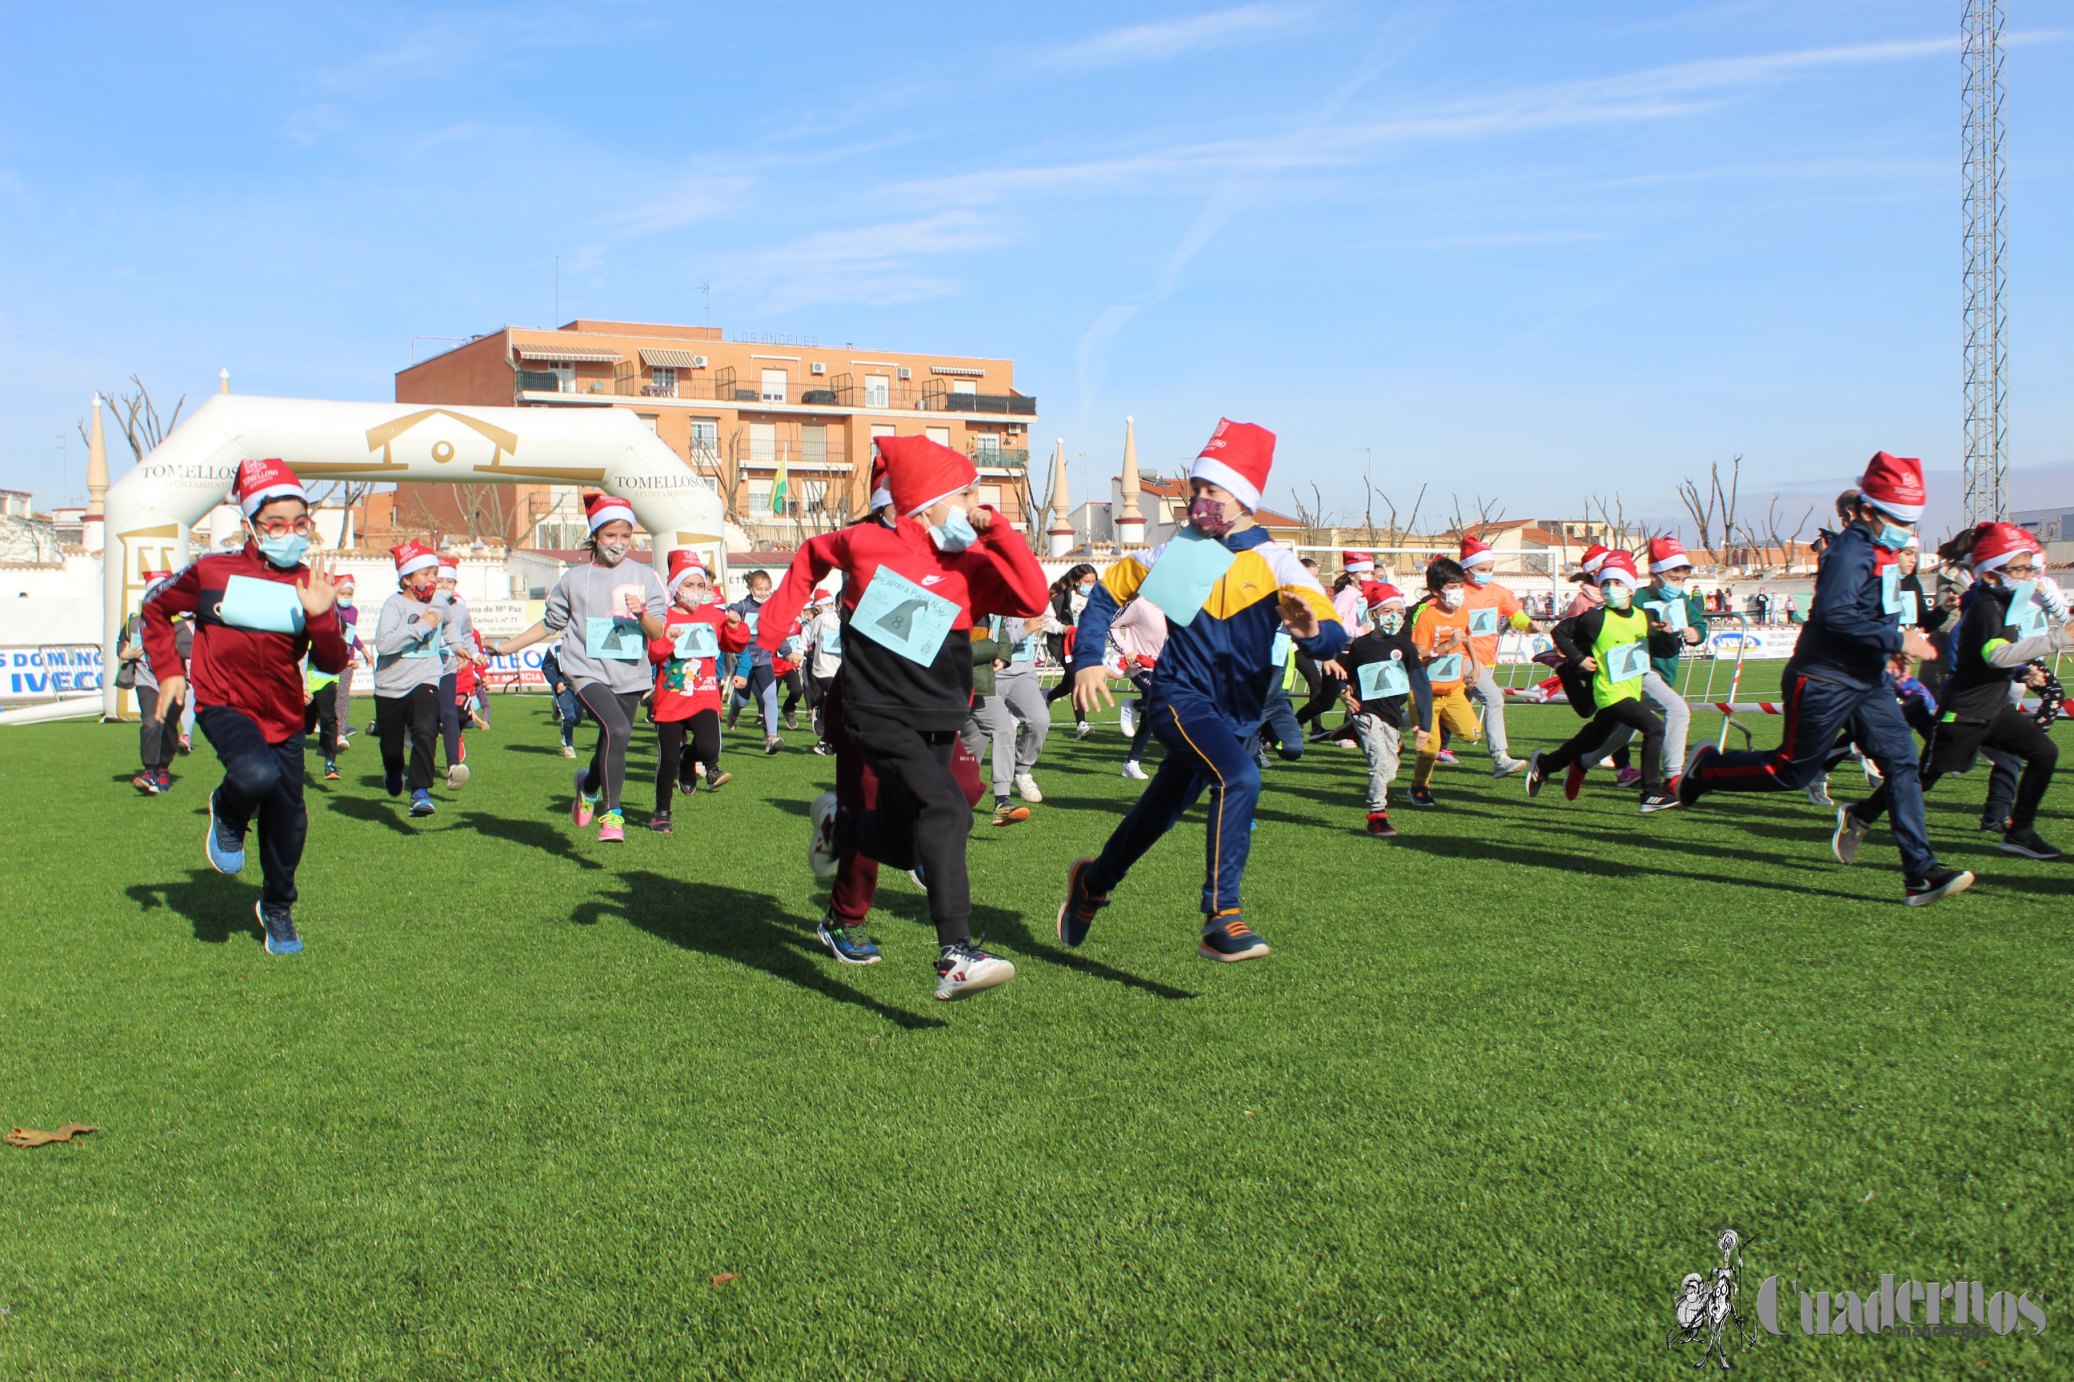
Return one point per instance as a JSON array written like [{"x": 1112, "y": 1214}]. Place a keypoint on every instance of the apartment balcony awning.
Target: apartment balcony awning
[
  {"x": 573, "y": 354},
  {"x": 673, "y": 359}
]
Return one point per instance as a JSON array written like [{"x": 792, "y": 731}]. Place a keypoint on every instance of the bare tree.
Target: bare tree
[
  {"x": 1312, "y": 516},
  {"x": 1488, "y": 512},
  {"x": 137, "y": 418},
  {"x": 1768, "y": 538},
  {"x": 1713, "y": 509}
]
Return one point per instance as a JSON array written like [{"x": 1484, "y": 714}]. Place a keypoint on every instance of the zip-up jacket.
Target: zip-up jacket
[
  {"x": 1989, "y": 653},
  {"x": 1849, "y": 634}
]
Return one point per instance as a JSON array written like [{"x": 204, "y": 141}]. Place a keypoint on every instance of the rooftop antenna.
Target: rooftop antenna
[{"x": 1986, "y": 474}]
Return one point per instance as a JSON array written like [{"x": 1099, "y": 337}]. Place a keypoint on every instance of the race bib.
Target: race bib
[
  {"x": 1627, "y": 661},
  {"x": 1892, "y": 597},
  {"x": 1384, "y": 679},
  {"x": 260, "y": 606},
  {"x": 1186, "y": 572},
  {"x": 832, "y": 640},
  {"x": 1278, "y": 655},
  {"x": 615, "y": 640},
  {"x": 435, "y": 646},
  {"x": 1446, "y": 667},
  {"x": 1669, "y": 613},
  {"x": 696, "y": 641},
  {"x": 2024, "y": 610},
  {"x": 903, "y": 617},
  {"x": 1483, "y": 623}
]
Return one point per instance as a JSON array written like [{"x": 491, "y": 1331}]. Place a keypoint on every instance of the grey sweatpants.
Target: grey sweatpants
[
  {"x": 1485, "y": 690},
  {"x": 1017, "y": 704},
  {"x": 1381, "y": 745},
  {"x": 1677, "y": 724}
]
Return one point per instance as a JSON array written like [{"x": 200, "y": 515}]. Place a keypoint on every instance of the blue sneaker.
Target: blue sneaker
[
  {"x": 392, "y": 781},
  {"x": 1081, "y": 904},
  {"x": 841, "y": 942},
  {"x": 1231, "y": 939},
  {"x": 225, "y": 847},
  {"x": 279, "y": 925},
  {"x": 421, "y": 803}
]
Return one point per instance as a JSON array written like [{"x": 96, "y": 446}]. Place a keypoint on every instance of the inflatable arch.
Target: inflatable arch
[{"x": 151, "y": 509}]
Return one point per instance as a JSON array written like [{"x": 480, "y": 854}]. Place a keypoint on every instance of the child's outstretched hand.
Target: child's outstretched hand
[
  {"x": 1297, "y": 615},
  {"x": 1091, "y": 690}
]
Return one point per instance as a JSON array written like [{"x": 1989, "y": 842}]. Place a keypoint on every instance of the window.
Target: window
[
  {"x": 651, "y": 421},
  {"x": 565, "y": 376},
  {"x": 774, "y": 381},
  {"x": 663, "y": 382},
  {"x": 882, "y": 429},
  {"x": 964, "y": 386},
  {"x": 878, "y": 392},
  {"x": 940, "y": 435},
  {"x": 813, "y": 444},
  {"x": 705, "y": 438},
  {"x": 763, "y": 444},
  {"x": 760, "y": 498},
  {"x": 990, "y": 494},
  {"x": 986, "y": 444}
]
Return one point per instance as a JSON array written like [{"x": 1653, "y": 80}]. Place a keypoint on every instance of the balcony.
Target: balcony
[{"x": 725, "y": 386}]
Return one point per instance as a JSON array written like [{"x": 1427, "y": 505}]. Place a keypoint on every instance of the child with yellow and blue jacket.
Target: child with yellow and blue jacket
[{"x": 1211, "y": 687}]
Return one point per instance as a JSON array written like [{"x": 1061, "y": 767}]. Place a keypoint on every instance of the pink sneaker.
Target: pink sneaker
[
  {"x": 612, "y": 828},
  {"x": 585, "y": 807},
  {"x": 1628, "y": 777},
  {"x": 1446, "y": 758}
]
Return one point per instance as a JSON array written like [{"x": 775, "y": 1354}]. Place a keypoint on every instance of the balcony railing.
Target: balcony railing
[{"x": 726, "y": 385}]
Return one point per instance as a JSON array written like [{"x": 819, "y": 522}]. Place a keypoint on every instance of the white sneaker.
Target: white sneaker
[
  {"x": 1873, "y": 775},
  {"x": 1132, "y": 770},
  {"x": 1026, "y": 788},
  {"x": 1127, "y": 716},
  {"x": 1506, "y": 767},
  {"x": 568, "y": 750},
  {"x": 1818, "y": 793},
  {"x": 457, "y": 777},
  {"x": 1082, "y": 730},
  {"x": 821, "y": 851},
  {"x": 965, "y": 970},
  {"x": 1850, "y": 833}
]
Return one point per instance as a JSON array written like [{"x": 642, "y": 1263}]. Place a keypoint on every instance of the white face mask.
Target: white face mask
[
  {"x": 612, "y": 553},
  {"x": 1391, "y": 622},
  {"x": 1448, "y": 599}
]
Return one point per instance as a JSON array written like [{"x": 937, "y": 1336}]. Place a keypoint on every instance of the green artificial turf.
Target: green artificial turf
[{"x": 524, "y": 1097}]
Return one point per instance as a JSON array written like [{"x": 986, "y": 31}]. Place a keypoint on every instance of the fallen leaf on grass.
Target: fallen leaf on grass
[
  {"x": 723, "y": 1278},
  {"x": 31, "y": 1137}
]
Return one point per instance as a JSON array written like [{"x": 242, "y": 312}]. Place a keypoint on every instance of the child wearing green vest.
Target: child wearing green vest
[{"x": 1611, "y": 642}]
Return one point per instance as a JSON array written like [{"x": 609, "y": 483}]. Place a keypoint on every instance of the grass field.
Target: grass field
[{"x": 524, "y": 1099}]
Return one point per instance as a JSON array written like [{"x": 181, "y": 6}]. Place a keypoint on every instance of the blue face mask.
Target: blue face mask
[
  {"x": 955, "y": 533},
  {"x": 1480, "y": 576},
  {"x": 1891, "y": 537},
  {"x": 285, "y": 551},
  {"x": 1617, "y": 595}
]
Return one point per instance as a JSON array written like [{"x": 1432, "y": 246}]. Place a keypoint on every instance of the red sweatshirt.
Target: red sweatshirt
[
  {"x": 997, "y": 575},
  {"x": 684, "y": 688},
  {"x": 249, "y": 670}
]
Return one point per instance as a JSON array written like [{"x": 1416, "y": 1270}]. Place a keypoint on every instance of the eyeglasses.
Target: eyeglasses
[
  {"x": 2022, "y": 573},
  {"x": 282, "y": 527}
]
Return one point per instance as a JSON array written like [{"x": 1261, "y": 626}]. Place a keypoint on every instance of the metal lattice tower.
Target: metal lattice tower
[{"x": 1987, "y": 360}]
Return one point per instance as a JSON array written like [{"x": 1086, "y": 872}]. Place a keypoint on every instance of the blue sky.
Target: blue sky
[{"x": 1522, "y": 250}]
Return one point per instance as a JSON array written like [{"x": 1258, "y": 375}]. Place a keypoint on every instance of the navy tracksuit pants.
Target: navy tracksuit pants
[
  {"x": 1816, "y": 709},
  {"x": 1203, "y": 754},
  {"x": 261, "y": 781}
]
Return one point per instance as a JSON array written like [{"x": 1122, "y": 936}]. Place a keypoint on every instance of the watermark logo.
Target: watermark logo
[{"x": 1708, "y": 1321}]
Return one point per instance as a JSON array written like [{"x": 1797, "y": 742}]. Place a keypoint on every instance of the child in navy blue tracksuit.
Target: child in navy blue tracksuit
[
  {"x": 1839, "y": 679},
  {"x": 1211, "y": 686}
]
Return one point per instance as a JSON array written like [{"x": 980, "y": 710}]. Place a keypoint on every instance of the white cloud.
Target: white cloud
[
  {"x": 876, "y": 264},
  {"x": 700, "y": 198},
  {"x": 1175, "y": 38}
]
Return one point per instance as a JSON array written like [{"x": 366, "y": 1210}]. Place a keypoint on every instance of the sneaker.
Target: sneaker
[
  {"x": 457, "y": 777},
  {"x": 2025, "y": 841},
  {"x": 345, "y": 740},
  {"x": 824, "y": 749},
  {"x": 792, "y": 719},
  {"x": 1688, "y": 781},
  {"x": 1573, "y": 781},
  {"x": 1535, "y": 777},
  {"x": 392, "y": 781},
  {"x": 186, "y": 743},
  {"x": 1379, "y": 827},
  {"x": 331, "y": 770},
  {"x": 147, "y": 783},
  {"x": 1082, "y": 730},
  {"x": 1652, "y": 802},
  {"x": 1081, "y": 904},
  {"x": 1231, "y": 940},
  {"x": 1873, "y": 776},
  {"x": 1026, "y": 788},
  {"x": 1260, "y": 757},
  {"x": 421, "y": 803},
  {"x": 1132, "y": 770},
  {"x": 568, "y": 750},
  {"x": 822, "y": 853},
  {"x": 660, "y": 822},
  {"x": 1505, "y": 766},
  {"x": 719, "y": 780},
  {"x": 1422, "y": 796},
  {"x": 585, "y": 805},
  {"x": 1447, "y": 758},
  {"x": 1939, "y": 882},
  {"x": 2001, "y": 827},
  {"x": 1850, "y": 835},
  {"x": 224, "y": 846},
  {"x": 964, "y": 969},
  {"x": 279, "y": 925},
  {"x": 165, "y": 783},
  {"x": 734, "y": 718},
  {"x": 1008, "y": 813},
  {"x": 1818, "y": 792},
  {"x": 612, "y": 828},
  {"x": 843, "y": 943},
  {"x": 686, "y": 786},
  {"x": 1628, "y": 777},
  {"x": 1127, "y": 719},
  {"x": 914, "y": 876},
  {"x": 771, "y": 744}
]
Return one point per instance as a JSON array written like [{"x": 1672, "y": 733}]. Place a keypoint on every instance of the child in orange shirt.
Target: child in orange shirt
[{"x": 1440, "y": 631}]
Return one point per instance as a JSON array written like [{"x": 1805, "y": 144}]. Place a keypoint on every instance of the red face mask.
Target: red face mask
[{"x": 1210, "y": 517}]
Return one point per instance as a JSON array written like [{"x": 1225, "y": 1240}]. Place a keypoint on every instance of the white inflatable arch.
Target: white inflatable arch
[{"x": 151, "y": 509}]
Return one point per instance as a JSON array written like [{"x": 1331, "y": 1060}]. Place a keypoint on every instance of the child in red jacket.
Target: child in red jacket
[
  {"x": 258, "y": 613},
  {"x": 696, "y": 634},
  {"x": 908, "y": 595}
]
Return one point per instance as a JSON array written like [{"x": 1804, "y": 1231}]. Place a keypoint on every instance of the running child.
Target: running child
[
  {"x": 1382, "y": 670},
  {"x": 697, "y": 635},
  {"x": 258, "y": 613},
  {"x": 409, "y": 669},
  {"x": 1227, "y": 589},
  {"x": 1493, "y": 609},
  {"x": 610, "y": 607},
  {"x": 154, "y": 732},
  {"x": 823, "y": 635},
  {"x": 1440, "y": 631},
  {"x": 457, "y": 634}
]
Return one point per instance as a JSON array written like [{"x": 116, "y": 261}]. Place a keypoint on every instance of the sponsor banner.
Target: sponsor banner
[
  {"x": 38, "y": 674},
  {"x": 1764, "y": 641},
  {"x": 499, "y": 619},
  {"x": 518, "y": 672}
]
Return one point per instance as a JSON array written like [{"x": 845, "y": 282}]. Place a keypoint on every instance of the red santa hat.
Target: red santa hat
[
  {"x": 413, "y": 556},
  {"x": 1618, "y": 566},
  {"x": 1380, "y": 593},
  {"x": 880, "y": 495},
  {"x": 602, "y": 508},
  {"x": 919, "y": 472},
  {"x": 153, "y": 580},
  {"x": 259, "y": 483},
  {"x": 1594, "y": 556},
  {"x": 1475, "y": 552},
  {"x": 449, "y": 567},
  {"x": 1994, "y": 544},
  {"x": 1237, "y": 456},
  {"x": 1666, "y": 554},
  {"x": 1894, "y": 485},
  {"x": 1354, "y": 563},
  {"x": 344, "y": 578},
  {"x": 823, "y": 596},
  {"x": 683, "y": 562}
]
